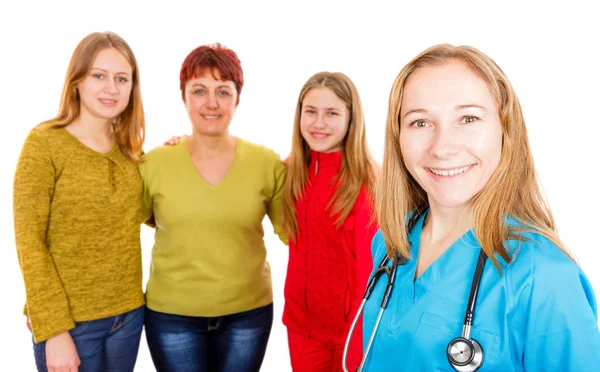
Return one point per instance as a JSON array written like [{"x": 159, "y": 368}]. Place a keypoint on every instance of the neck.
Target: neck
[
  {"x": 210, "y": 146},
  {"x": 447, "y": 223},
  {"x": 90, "y": 126}
]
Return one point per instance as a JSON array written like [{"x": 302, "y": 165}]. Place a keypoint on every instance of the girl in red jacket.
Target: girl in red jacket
[{"x": 328, "y": 215}]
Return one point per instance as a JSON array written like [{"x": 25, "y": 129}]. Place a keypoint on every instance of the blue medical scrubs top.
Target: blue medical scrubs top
[{"x": 539, "y": 315}]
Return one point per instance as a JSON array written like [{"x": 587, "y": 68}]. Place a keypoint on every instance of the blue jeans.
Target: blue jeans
[
  {"x": 231, "y": 343},
  {"x": 108, "y": 344}
]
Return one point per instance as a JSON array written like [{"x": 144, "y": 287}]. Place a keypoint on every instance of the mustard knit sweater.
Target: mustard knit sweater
[{"x": 77, "y": 217}]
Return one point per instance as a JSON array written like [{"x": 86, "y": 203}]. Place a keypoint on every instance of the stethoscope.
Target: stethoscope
[{"x": 464, "y": 353}]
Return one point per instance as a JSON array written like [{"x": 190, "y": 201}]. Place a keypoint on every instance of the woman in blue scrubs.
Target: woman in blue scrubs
[{"x": 457, "y": 152}]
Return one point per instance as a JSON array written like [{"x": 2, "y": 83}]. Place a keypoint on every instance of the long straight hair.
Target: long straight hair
[
  {"x": 513, "y": 189},
  {"x": 129, "y": 126},
  {"x": 358, "y": 167}
]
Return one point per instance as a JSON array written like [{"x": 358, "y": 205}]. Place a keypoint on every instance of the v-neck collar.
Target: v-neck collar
[
  {"x": 455, "y": 264},
  {"x": 232, "y": 169},
  {"x": 459, "y": 257}
]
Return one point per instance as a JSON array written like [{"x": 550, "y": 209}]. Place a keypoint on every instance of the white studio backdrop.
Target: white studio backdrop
[{"x": 546, "y": 50}]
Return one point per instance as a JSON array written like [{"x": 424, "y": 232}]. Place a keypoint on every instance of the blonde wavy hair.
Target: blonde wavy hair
[
  {"x": 513, "y": 189},
  {"x": 129, "y": 126},
  {"x": 358, "y": 167}
]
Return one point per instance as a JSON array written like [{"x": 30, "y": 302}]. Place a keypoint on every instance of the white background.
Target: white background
[{"x": 548, "y": 52}]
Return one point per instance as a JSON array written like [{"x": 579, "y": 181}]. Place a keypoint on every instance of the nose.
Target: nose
[
  {"x": 111, "y": 86},
  {"x": 211, "y": 101},
  {"x": 320, "y": 121},
  {"x": 445, "y": 142}
]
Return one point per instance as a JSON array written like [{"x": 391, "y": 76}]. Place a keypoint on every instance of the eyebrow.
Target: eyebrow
[
  {"x": 458, "y": 107},
  {"x": 326, "y": 108},
  {"x": 415, "y": 111},
  {"x": 101, "y": 69},
  {"x": 471, "y": 105},
  {"x": 204, "y": 86}
]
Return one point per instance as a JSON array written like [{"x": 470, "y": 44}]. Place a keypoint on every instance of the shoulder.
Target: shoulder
[
  {"x": 541, "y": 273},
  {"x": 41, "y": 141},
  {"x": 260, "y": 157},
  {"x": 256, "y": 151},
  {"x": 159, "y": 159},
  {"x": 537, "y": 256},
  {"x": 160, "y": 154},
  {"x": 45, "y": 134}
]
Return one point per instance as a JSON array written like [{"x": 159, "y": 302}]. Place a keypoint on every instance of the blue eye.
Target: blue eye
[
  {"x": 98, "y": 76},
  {"x": 332, "y": 113},
  {"x": 122, "y": 79},
  {"x": 224, "y": 93},
  {"x": 199, "y": 91},
  {"x": 469, "y": 119},
  {"x": 309, "y": 111}
]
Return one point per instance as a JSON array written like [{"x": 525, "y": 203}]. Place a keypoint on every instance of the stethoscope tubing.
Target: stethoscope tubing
[{"x": 391, "y": 274}]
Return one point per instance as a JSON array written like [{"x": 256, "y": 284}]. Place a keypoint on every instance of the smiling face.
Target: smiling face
[
  {"x": 324, "y": 120},
  {"x": 104, "y": 92},
  {"x": 210, "y": 103},
  {"x": 451, "y": 135}
]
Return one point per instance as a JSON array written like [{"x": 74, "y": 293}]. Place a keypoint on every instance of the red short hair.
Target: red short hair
[{"x": 217, "y": 59}]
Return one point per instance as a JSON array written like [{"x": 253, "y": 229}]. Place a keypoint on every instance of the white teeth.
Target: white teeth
[{"x": 451, "y": 172}]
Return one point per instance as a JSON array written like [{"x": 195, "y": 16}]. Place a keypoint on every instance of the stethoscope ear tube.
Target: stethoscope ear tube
[
  {"x": 381, "y": 269},
  {"x": 391, "y": 274},
  {"x": 399, "y": 260},
  {"x": 349, "y": 336}
]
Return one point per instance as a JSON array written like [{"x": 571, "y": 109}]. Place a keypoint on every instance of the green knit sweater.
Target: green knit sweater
[{"x": 77, "y": 217}]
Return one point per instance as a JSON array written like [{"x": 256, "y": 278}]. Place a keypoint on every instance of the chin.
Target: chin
[
  {"x": 321, "y": 147},
  {"x": 110, "y": 114},
  {"x": 449, "y": 201},
  {"x": 213, "y": 133}
]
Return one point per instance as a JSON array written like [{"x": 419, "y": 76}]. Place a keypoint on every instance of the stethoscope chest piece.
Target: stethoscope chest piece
[{"x": 464, "y": 355}]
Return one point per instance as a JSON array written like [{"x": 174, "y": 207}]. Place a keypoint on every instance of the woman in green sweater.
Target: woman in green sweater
[
  {"x": 209, "y": 297},
  {"x": 77, "y": 215}
]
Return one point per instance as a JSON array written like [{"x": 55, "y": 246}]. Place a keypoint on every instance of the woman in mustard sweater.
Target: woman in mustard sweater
[
  {"x": 77, "y": 215},
  {"x": 209, "y": 297}
]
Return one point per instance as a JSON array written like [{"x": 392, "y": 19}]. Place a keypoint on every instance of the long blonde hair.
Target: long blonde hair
[
  {"x": 513, "y": 189},
  {"x": 358, "y": 167},
  {"x": 129, "y": 126}
]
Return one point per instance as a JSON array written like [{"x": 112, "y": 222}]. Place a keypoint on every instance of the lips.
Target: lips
[
  {"x": 318, "y": 135},
  {"x": 108, "y": 102},
  {"x": 450, "y": 172}
]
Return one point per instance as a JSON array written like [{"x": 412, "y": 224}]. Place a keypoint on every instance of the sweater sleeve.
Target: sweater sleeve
[
  {"x": 274, "y": 210},
  {"x": 47, "y": 303},
  {"x": 147, "y": 211}
]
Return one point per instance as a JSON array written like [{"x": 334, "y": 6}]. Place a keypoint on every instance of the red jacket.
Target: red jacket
[{"x": 328, "y": 267}]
